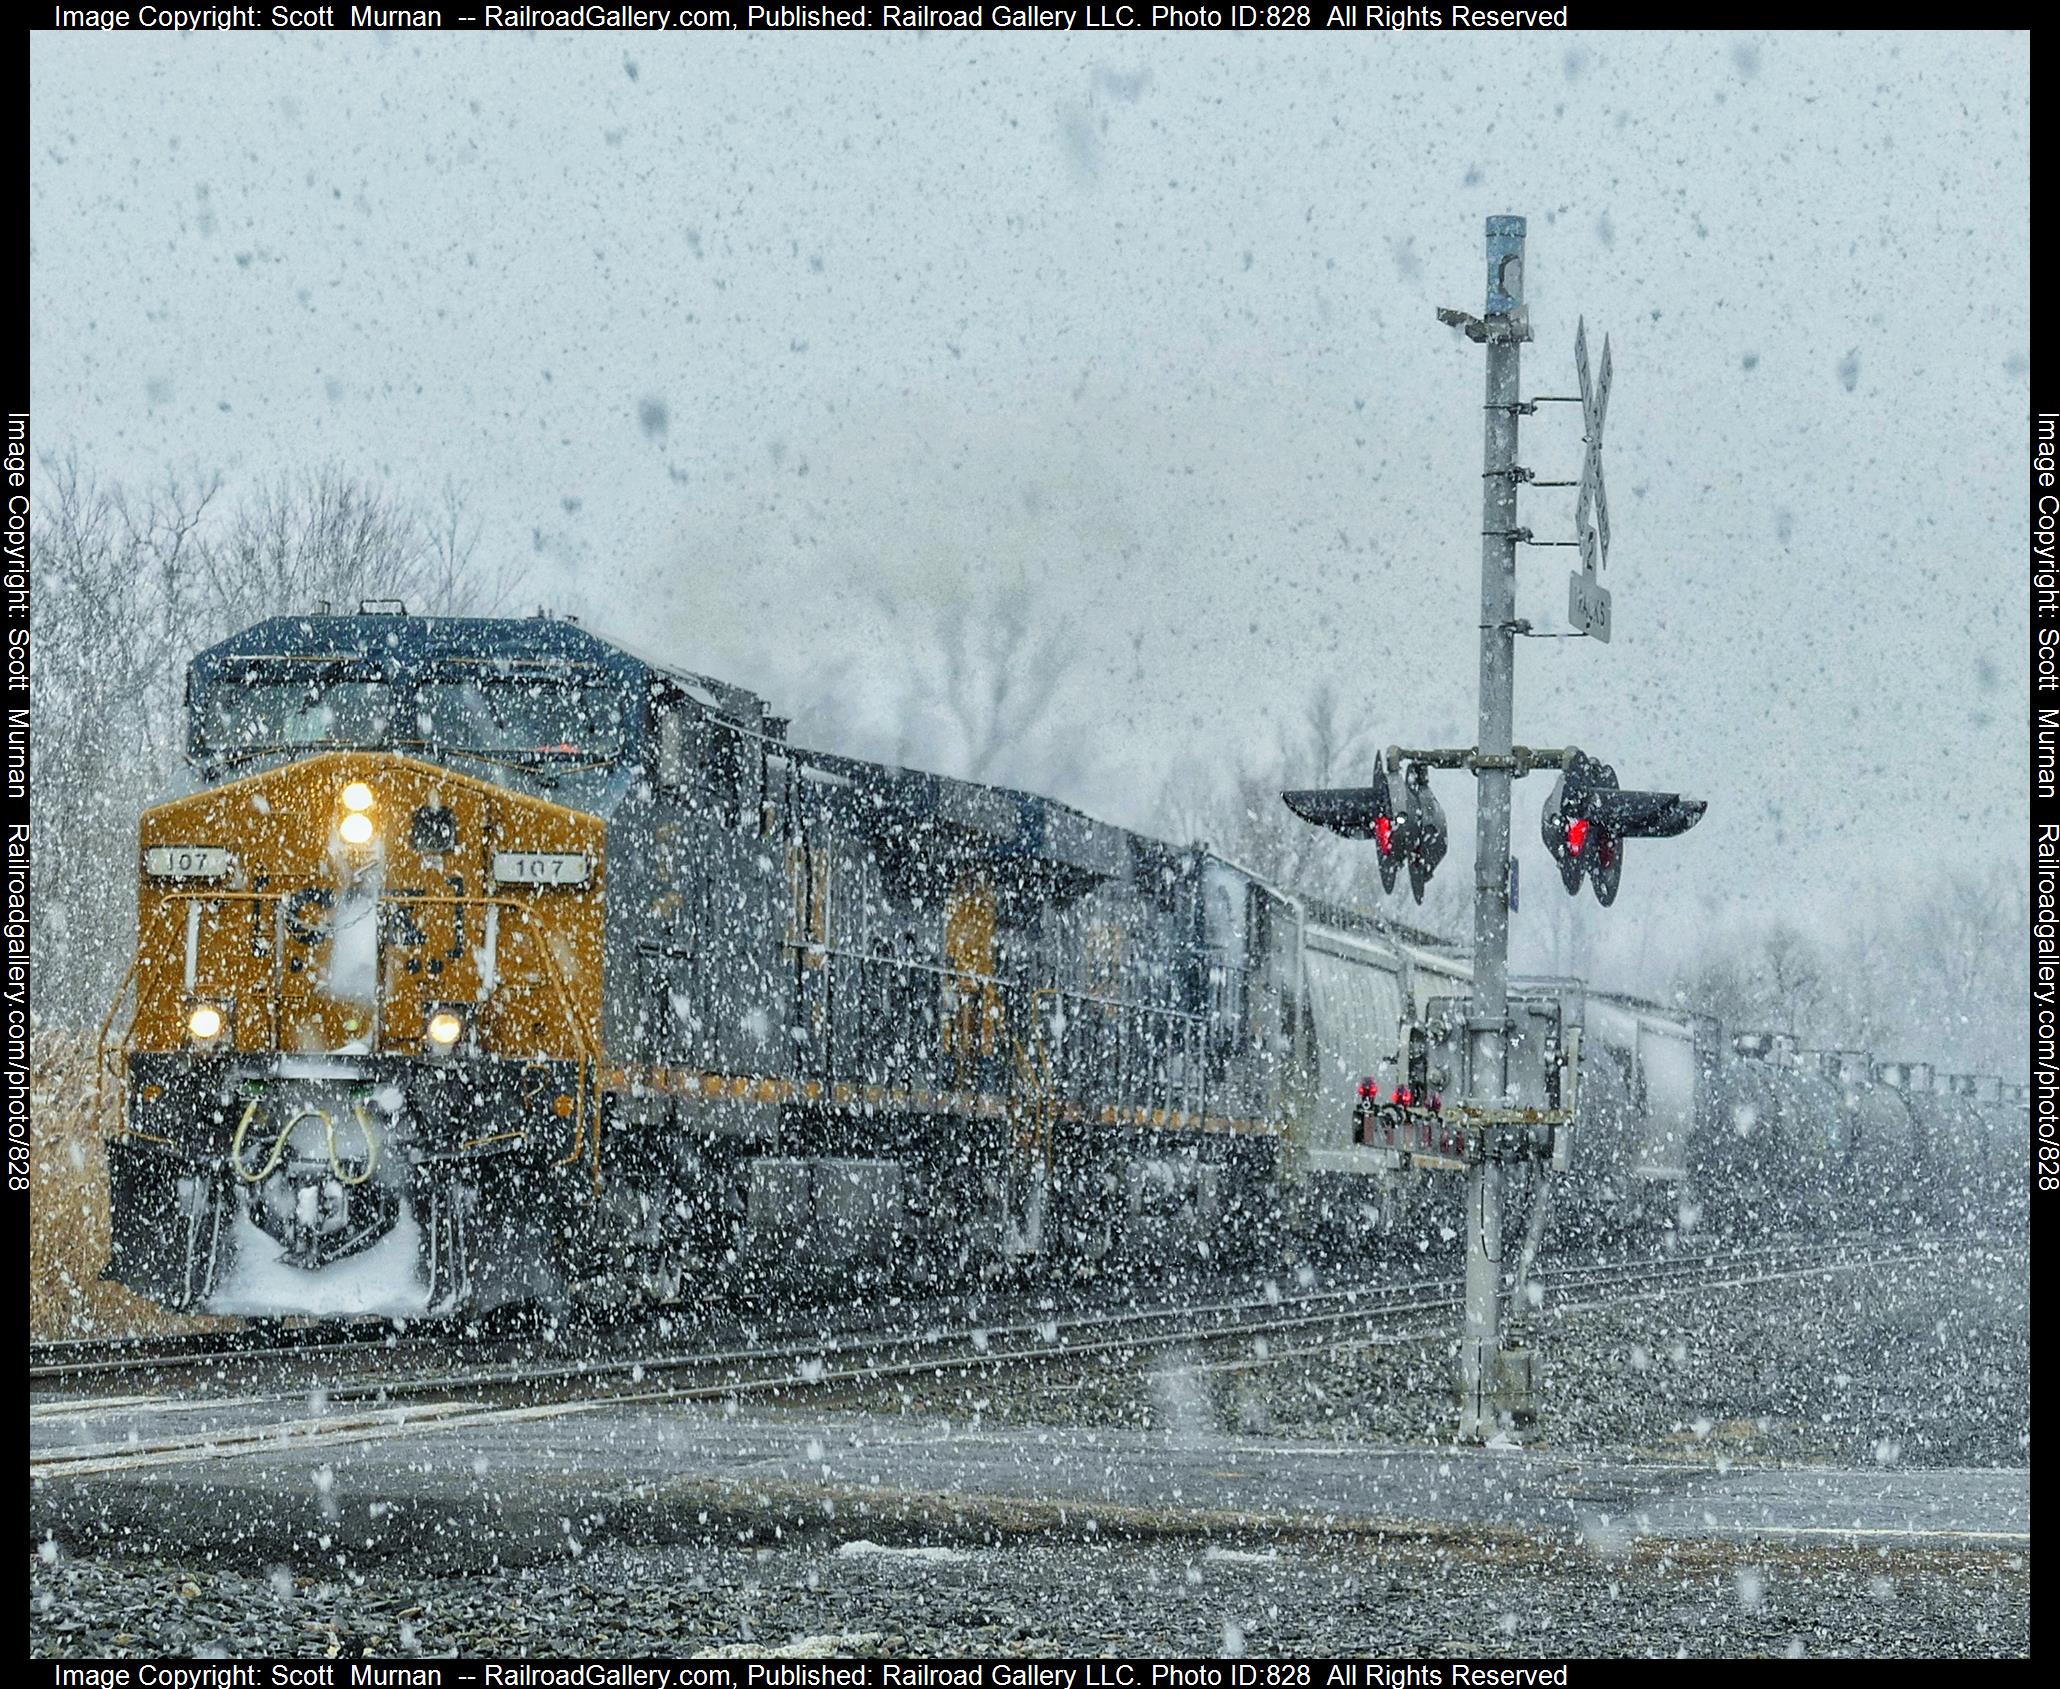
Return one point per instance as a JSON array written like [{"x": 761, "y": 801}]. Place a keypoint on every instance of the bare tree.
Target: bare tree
[
  {"x": 984, "y": 685},
  {"x": 1936, "y": 980},
  {"x": 116, "y": 601},
  {"x": 1964, "y": 949},
  {"x": 1792, "y": 976},
  {"x": 998, "y": 672},
  {"x": 1721, "y": 983},
  {"x": 325, "y": 538},
  {"x": 130, "y": 583},
  {"x": 1327, "y": 741}
]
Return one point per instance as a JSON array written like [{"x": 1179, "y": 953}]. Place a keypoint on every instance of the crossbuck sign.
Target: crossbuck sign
[{"x": 1587, "y": 598}]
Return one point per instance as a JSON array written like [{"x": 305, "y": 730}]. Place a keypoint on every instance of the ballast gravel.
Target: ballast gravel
[{"x": 1056, "y": 1596}]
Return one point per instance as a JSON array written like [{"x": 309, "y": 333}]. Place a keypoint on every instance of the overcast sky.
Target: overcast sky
[{"x": 757, "y": 350}]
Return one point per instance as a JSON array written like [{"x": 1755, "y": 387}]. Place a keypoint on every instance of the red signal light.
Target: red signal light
[
  {"x": 1384, "y": 834},
  {"x": 1405, "y": 1096},
  {"x": 1576, "y": 837},
  {"x": 1366, "y": 1088}
]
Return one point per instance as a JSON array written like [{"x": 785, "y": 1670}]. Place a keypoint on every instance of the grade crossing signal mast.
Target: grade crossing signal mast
[{"x": 1586, "y": 821}]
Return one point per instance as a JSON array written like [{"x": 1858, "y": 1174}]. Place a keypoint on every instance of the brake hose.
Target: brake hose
[
  {"x": 278, "y": 1146},
  {"x": 278, "y": 1154},
  {"x": 371, "y": 1147}
]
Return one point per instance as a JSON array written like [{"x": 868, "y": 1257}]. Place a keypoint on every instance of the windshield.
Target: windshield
[
  {"x": 267, "y": 713},
  {"x": 521, "y": 716}
]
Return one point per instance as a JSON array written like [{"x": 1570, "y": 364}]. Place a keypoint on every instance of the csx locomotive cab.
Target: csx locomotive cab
[{"x": 363, "y": 1063}]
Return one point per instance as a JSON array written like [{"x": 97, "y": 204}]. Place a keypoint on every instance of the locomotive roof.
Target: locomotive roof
[
  {"x": 415, "y": 641},
  {"x": 1016, "y": 823},
  {"x": 407, "y": 643}
]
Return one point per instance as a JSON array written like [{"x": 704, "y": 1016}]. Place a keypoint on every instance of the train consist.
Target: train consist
[{"x": 487, "y": 963}]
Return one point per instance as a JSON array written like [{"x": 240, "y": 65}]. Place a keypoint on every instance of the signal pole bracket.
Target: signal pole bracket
[{"x": 1522, "y": 759}]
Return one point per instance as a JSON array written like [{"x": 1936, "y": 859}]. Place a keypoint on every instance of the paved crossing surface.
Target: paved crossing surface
[{"x": 506, "y": 1482}]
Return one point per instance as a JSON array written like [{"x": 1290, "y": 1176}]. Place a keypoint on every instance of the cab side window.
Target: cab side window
[
  {"x": 672, "y": 742},
  {"x": 726, "y": 764}
]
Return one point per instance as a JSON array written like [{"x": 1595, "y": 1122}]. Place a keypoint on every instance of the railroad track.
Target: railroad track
[
  {"x": 231, "y": 1354},
  {"x": 105, "y": 1356},
  {"x": 55, "y": 1362},
  {"x": 372, "y": 1410}
]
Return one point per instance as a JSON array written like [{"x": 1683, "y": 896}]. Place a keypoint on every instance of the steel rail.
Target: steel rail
[
  {"x": 203, "y": 1349},
  {"x": 942, "y": 1353}
]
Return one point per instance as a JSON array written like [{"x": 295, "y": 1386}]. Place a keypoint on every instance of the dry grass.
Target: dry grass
[{"x": 68, "y": 1220}]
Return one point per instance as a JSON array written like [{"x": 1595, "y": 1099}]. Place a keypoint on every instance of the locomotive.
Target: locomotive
[{"x": 487, "y": 963}]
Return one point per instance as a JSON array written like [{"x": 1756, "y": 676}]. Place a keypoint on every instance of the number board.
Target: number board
[
  {"x": 540, "y": 868},
  {"x": 186, "y": 862}
]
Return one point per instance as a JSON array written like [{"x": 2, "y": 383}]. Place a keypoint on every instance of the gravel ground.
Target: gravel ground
[
  {"x": 1054, "y": 1596},
  {"x": 1926, "y": 1365}
]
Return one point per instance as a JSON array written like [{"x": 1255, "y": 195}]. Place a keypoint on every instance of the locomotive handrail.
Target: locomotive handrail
[
  {"x": 1033, "y": 1063},
  {"x": 909, "y": 962},
  {"x": 1189, "y": 1019},
  {"x": 589, "y": 1082},
  {"x": 1194, "y": 1022},
  {"x": 1165, "y": 1009}
]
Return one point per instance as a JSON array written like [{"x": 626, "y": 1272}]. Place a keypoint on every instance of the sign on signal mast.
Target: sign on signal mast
[
  {"x": 1594, "y": 408},
  {"x": 1587, "y": 604},
  {"x": 1587, "y": 599}
]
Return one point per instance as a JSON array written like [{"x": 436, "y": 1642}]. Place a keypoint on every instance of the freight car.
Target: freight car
[{"x": 1775, "y": 1157}]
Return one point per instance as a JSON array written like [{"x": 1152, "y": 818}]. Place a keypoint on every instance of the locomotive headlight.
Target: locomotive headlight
[
  {"x": 357, "y": 795},
  {"x": 356, "y": 828},
  {"x": 446, "y": 1028},
  {"x": 205, "y": 1022}
]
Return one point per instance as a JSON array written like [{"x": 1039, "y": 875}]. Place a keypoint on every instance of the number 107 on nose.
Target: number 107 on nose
[{"x": 1587, "y": 605}]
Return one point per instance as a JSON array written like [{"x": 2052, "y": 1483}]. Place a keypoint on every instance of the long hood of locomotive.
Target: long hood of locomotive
[{"x": 467, "y": 898}]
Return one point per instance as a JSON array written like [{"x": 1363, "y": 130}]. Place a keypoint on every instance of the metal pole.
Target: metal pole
[
  {"x": 1534, "y": 1234},
  {"x": 1506, "y": 327}
]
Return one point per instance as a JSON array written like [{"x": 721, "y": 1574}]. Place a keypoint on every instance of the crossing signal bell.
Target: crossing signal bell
[{"x": 1587, "y": 819}]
